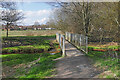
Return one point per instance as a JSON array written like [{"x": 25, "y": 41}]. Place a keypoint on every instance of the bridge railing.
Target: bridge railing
[
  {"x": 79, "y": 40},
  {"x": 61, "y": 40}
]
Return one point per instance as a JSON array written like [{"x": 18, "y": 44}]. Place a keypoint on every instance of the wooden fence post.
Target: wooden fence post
[
  {"x": 75, "y": 39},
  {"x": 57, "y": 37},
  {"x": 66, "y": 35},
  {"x": 60, "y": 39},
  {"x": 63, "y": 46},
  {"x": 80, "y": 41},
  {"x": 70, "y": 37},
  {"x": 86, "y": 44}
]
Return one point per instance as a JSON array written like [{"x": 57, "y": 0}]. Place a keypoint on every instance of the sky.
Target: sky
[{"x": 35, "y": 11}]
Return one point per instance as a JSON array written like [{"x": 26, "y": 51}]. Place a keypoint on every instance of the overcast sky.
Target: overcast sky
[{"x": 35, "y": 11}]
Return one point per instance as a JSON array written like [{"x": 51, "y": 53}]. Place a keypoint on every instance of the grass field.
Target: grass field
[
  {"x": 25, "y": 66},
  {"x": 28, "y": 56},
  {"x": 30, "y": 32},
  {"x": 106, "y": 61},
  {"x": 26, "y": 43}
]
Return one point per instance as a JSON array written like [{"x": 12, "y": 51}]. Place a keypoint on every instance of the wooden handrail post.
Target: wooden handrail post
[
  {"x": 64, "y": 53},
  {"x": 86, "y": 45}
]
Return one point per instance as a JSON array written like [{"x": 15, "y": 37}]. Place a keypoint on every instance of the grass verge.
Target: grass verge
[{"x": 106, "y": 63}]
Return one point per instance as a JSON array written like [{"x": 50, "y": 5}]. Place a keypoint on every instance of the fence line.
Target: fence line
[
  {"x": 78, "y": 40},
  {"x": 61, "y": 39}
]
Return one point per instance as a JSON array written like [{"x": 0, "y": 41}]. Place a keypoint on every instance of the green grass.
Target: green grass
[
  {"x": 113, "y": 47},
  {"x": 109, "y": 47},
  {"x": 44, "y": 67},
  {"x": 14, "y": 59},
  {"x": 25, "y": 49},
  {"x": 105, "y": 62},
  {"x": 26, "y": 44}
]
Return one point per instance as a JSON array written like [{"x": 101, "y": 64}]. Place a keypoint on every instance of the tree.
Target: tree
[
  {"x": 74, "y": 16},
  {"x": 9, "y": 14},
  {"x": 105, "y": 21},
  {"x": 98, "y": 21}
]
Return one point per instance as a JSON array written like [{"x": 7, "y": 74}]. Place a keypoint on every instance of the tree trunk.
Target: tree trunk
[
  {"x": 7, "y": 29},
  {"x": 7, "y": 32}
]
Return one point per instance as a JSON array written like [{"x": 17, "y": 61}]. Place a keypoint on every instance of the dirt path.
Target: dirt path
[{"x": 75, "y": 65}]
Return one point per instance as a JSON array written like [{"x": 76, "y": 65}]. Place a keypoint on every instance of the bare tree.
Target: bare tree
[
  {"x": 10, "y": 15},
  {"x": 76, "y": 15},
  {"x": 99, "y": 21}
]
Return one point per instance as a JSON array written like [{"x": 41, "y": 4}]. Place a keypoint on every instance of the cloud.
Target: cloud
[
  {"x": 29, "y": 1},
  {"x": 43, "y": 20},
  {"x": 37, "y": 13},
  {"x": 31, "y": 16}
]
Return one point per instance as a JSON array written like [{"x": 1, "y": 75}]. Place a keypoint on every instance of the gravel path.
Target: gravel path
[{"x": 75, "y": 65}]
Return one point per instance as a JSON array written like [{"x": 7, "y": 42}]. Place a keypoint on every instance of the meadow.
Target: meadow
[
  {"x": 30, "y": 32},
  {"x": 29, "y": 56},
  {"x": 106, "y": 58}
]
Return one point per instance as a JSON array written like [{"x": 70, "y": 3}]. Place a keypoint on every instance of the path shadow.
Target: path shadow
[{"x": 76, "y": 67}]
